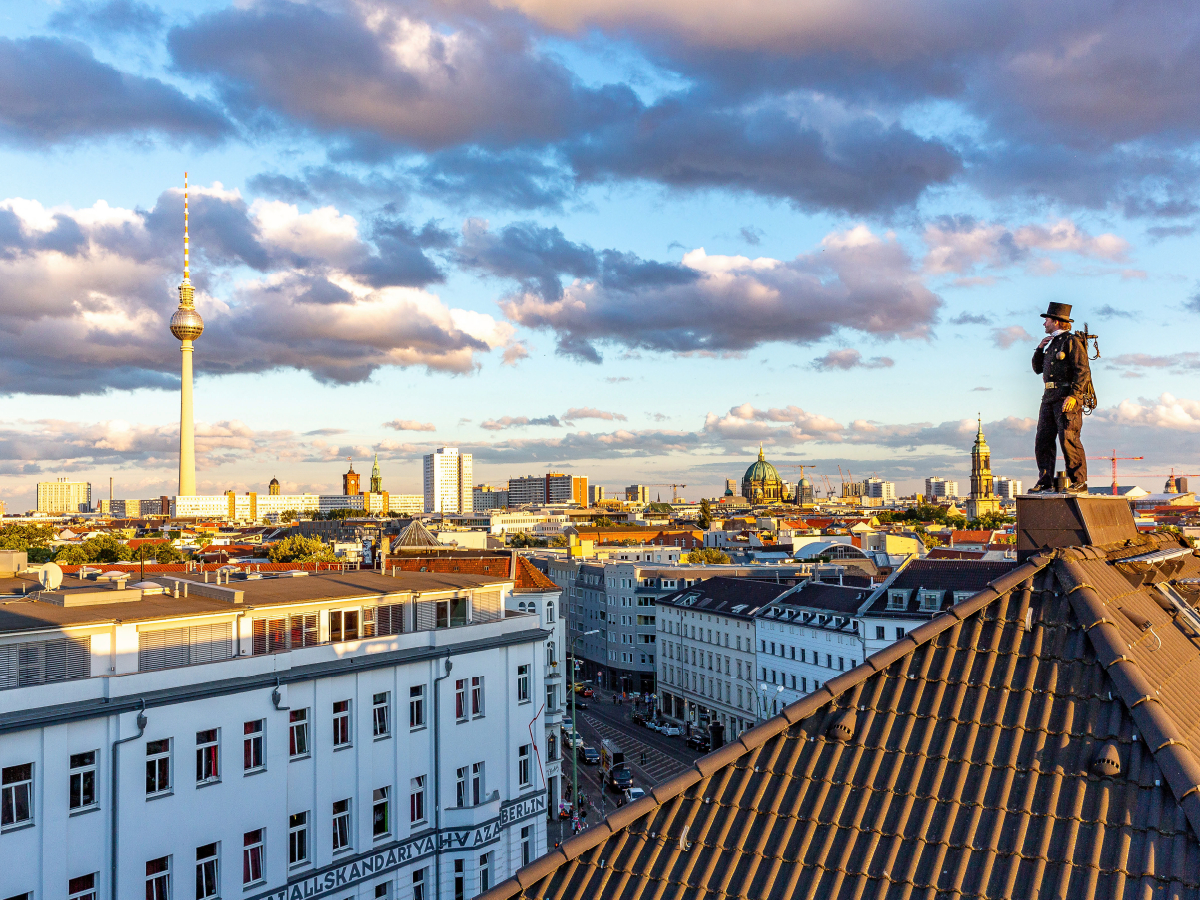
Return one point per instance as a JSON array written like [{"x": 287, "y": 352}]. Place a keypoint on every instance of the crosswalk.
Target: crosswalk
[{"x": 658, "y": 766}]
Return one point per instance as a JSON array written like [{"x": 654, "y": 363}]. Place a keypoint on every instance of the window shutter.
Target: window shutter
[
  {"x": 162, "y": 649},
  {"x": 259, "y": 637},
  {"x": 211, "y": 642}
]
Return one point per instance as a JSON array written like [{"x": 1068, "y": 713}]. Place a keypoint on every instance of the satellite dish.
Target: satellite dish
[{"x": 50, "y": 576}]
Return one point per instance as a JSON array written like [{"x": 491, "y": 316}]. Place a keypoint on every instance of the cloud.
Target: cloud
[
  {"x": 324, "y": 432},
  {"x": 409, "y": 425},
  {"x": 588, "y": 412},
  {"x": 981, "y": 388},
  {"x": 57, "y": 92},
  {"x": 106, "y": 19},
  {"x": 1108, "y": 311},
  {"x": 519, "y": 422},
  {"x": 514, "y": 353},
  {"x": 966, "y": 318},
  {"x": 961, "y": 245},
  {"x": 1006, "y": 337},
  {"x": 1168, "y": 413},
  {"x": 1185, "y": 361},
  {"x": 277, "y": 287},
  {"x": 617, "y": 379},
  {"x": 751, "y": 235},
  {"x": 721, "y": 304},
  {"x": 850, "y": 359}
]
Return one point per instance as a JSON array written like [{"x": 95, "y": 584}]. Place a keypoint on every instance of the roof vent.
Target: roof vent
[
  {"x": 843, "y": 726},
  {"x": 1107, "y": 763}
]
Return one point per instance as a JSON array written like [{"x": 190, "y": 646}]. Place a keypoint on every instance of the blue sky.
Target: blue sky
[{"x": 629, "y": 240}]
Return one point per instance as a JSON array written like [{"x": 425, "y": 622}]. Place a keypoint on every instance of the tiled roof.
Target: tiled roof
[
  {"x": 1033, "y": 741},
  {"x": 948, "y": 575},
  {"x": 528, "y": 577},
  {"x": 720, "y": 595},
  {"x": 836, "y": 598},
  {"x": 963, "y": 536}
]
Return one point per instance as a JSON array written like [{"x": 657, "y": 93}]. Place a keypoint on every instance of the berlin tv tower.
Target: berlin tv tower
[{"x": 186, "y": 325}]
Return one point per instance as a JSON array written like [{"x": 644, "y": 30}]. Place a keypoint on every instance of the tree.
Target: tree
[
  {"x": 104, "y": 548},
  {"x": 521, "y": 540},
  {"x": 23, "y": 537},
  {"x": 990, "y": 521},
  {"x": 71, "y": 555},
  {"x": 931, "y": 540},
  {"x": 560, "y": 540},
  {"x": 706, "y": 515},
  {"x": 603, "y": 522},
  {"x": 298, "y": 548},
  {"x": 163, "y": 554},
  {"x": 707, "y": 556}
]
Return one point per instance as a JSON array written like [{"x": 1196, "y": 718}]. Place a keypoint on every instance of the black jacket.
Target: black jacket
[{"x": 1065, "y": 362}]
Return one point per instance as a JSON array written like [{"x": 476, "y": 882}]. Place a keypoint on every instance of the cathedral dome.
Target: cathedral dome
[
  {"x": 761, "y": 483},
  {"x": 761, "y": 470}
]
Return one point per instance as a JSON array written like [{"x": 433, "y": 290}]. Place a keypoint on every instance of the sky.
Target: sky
[{"x": 628, "y": 240}]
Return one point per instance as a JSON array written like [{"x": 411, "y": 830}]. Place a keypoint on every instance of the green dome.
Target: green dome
[{"x": 762, "y": 471}]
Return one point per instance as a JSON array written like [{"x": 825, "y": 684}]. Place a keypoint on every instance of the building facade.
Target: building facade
[
  {"x": 448, "y": 481},
  {"x": 484, "y": 497},
  {"x": 562, "y": 488},
  {"x": 527, "y": 490},
  {"x": 879, "y": 489},
  {"x": 983, "y": 500},
  {"x": 64, "y": 496},
  {"x": 761, "y": 483},
  {"x": 940, "y": 489},
  {"x": 1008, "y": 488},
  {"x": 637, "y": 493}
]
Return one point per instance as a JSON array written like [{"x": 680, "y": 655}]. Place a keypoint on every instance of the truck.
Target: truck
[{"x": 611, "y": 757}]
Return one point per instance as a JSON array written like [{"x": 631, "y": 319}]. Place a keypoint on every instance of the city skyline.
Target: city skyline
[{"x": 394, "y": 284}]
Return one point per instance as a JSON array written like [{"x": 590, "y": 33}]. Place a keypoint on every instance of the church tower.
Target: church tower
[
  {"x": 376, "y": 478},
  {"x": 350, "y": 481},
  {"x": 983, "y": 496}
]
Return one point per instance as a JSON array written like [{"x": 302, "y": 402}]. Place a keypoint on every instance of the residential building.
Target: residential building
[
  {"x": 448, "y": 481},
  {"x": 879, "y": 489},
  {"x": 566, "y": 488},
  {"x": 707, "y": 656},
  {"x": 595, "y": 494},
  {"x": 247, "y": 507},
  {"x": 406, "y": 504},
  {"x": 940, "y": 489},
  {"x": 64, "y": 496},
  {"x": 1008, "y": 488},
  {"x": 528, "y": 490},
  {"x": 327, "y": 736},
  {"x": 637, "y": 493},
  {"x": 484, "y": 497}
]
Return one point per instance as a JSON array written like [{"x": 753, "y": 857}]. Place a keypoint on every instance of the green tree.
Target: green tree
[
  {"x": 298, "y": 548},
  {"x": 706, "y": 515},
  {"x": 521, "y": 540},
  {"x": 338, "y": 514},
  {"x": 71, "y": 555},
  {"x": 164, "y": 554},
  {"x": 35, "y": 555},
  {"x": 707, "y": 556},
  {"x": 990, "y": 521},
  {"x": 931, "y": 540},
  {"x": 560, "y": 540},
  {"x": 104, "y": 548},
  {"x": 22, "y": 537},
  {"x": 603, "y": 522}
]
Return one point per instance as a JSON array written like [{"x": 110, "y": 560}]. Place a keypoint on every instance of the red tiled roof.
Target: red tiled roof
[
  {"x": 965, "y": 536},
  {"x": 134, "y": 543},
  {"x": 1034, "y": 740},
  {"x": 528, "y": 576}
]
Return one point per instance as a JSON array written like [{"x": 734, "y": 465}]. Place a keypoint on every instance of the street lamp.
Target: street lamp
[
  {"x": 574, "y": 732},
  {"x": 759, "y": 692},
  {"x": 765, "y": 687}
]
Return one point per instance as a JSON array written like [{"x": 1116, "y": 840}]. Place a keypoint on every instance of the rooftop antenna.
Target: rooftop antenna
[{"x": 186, "y": 258}]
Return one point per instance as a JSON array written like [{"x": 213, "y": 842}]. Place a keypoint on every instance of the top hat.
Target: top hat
[{"x": 1058, "y": 311}]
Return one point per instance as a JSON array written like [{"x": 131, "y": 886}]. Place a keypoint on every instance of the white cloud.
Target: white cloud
[
  {"x": 960, "y": 246},
  {"x": 409, "y": 425}
]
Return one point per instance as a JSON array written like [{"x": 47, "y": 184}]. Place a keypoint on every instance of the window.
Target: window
[
  {"x": 899, "y": 633},
  {"x": 207, "y": 883},
  {"x": 524, "y": 765},
  {"x": 252, "y": 745},
  {"x": 526, "y": 844},
  {"x": 297, "y": 838},
  {"x": 879, "y": 636},
  {"x": 416, "y": 706},
  {"x": 343, "y": 625},
  {"x": 460, "y": 699},
  {"x": 158, "y": 879},
  {"x": 522, "y": 684},
  {"x": 476, "y": 696},
  {"x": 460, "y": 787},
  {"x": 383, "y": 890},
  {"x": 82, "y": 888},
  {"x": 207, "y": 770},
  {"x": 253, "y": 850},
  {"x": 460, "y": 879},
  {"x": 381, "y": 714},
  {"x": 477, "y": 783},
  {"x": 381, "y": 814},
  {"x": 298, "y": 733},
  {"x": 485, "y": 872},
  {"x": 416, "y": 799},
  {"x": 158, "y": 767},
  {"x": 341, "y": 825},
  {"x": 83, "y": 780},
  {"x": 418, "y": 884},
  {"x": 341, "y": 724},
  {"x": 451, "y": 613}
]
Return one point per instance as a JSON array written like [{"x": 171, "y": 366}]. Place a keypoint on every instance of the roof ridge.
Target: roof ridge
[
  {"x": 1172, "y": 753},
  {"x": 751, "y": 740}
]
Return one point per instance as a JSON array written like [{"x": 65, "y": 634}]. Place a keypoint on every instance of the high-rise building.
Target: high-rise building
[
  {"x": 1008, "y": 488},
  {"x": 595, "y": 494},
  {"x": 376, "y": 477},
  {"x": 731, "y": 487},
  {"x": 64, "y": 496},
  {"x": 526, "y": 490},
  {"x": 637, "y": 493},
  {"x": 566, "y": 488},
  {"x": 186, "y": 325},
  {"x": 448, "y": 477},
  {"x": 879, "y": 489},
  {"x": 983, "y": 498},
  {"x": 350, "y": 482},
  {"x": 940, "y": 489},
  {"x": 484, "y": 496}
]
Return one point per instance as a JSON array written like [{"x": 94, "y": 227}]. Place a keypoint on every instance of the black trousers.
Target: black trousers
[{"x": 1056, "y": 428}]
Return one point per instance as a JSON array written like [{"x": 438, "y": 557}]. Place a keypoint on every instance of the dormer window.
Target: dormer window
[
  {"x": 897, "y": 599},
  {"x": 931, "y": 600}
]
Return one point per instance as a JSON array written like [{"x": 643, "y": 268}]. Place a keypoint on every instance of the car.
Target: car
[
  {"x": 672, "y": 730},
  {"x": 638, "y": 719},
  {"x": 620, "y": 778},
  {"x": 573, "y": 740},
  {"x": 580, "y": 704},
  {"x": 588, "y": 755},
  {"x": 699, "y": 741},
  {"x": 634, "y": 793},
  {"x": 654, "y": 725},
  {"x": 585, "y": 692},
  {"x": 566, "y": 726}
]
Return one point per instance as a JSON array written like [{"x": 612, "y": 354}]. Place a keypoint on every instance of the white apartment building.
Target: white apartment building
[
  {"x": 527, "y": 490},
  {"x": 1007, "y": 488},
  {"x": 448, "y": 479},
  {"x": 485, "y": 497},
  {"x": 880, "y": 489},
  {"x": 344, "y": 736},
  {"x": 707, "y": 655},
  {"x": 64, "y": 496},
  {"x": 248, "y": 507},
  {"x": 940, "y": 489}
]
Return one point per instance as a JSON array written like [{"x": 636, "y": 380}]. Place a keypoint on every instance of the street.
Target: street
[{"x": 664, "y": 756}]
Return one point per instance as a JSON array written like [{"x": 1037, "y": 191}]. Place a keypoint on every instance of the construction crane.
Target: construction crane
[
  {"x": 674, "y": 489},
  {"x": 1170, "y": 478},
  {"x": 1113, "y": 459},
  {"x": 828, "y": 487}
]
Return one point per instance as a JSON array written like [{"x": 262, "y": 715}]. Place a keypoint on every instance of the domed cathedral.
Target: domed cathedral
[{"x": 761, "y": 483}]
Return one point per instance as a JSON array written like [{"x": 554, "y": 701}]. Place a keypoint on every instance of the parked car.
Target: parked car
[
  {"x": 588, "y": 755},
  {"x": 634, "y": 793},
  {"x": 573, "y": 740},
  {"x": 580, "y": 704},
  {"x": 585, "y": 692},
  {"x": 672, "y": 730},
  {"x": 566, "y": 726},
  {"x": 654, "y": 725},
  {"x": 638, "y": 719},
  {"x": 698, "y": 740},
  {"x": 620, "y": 778}
]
